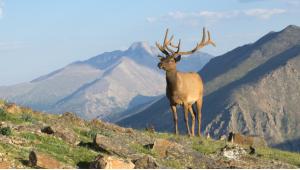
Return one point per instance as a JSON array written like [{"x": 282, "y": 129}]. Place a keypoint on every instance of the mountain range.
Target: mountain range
[
  {"x": 253, "y": 89},
  {"x": 101, "y": 87}
]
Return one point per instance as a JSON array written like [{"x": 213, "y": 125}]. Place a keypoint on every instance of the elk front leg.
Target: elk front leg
[
  {"x": 186, "y": 117},
  {"x": 199, "y": 106},
  {"x": 193, "y": 119},
  {"x": 173, "y": 108}
]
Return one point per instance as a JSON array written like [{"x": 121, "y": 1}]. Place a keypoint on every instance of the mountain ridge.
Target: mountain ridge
[{"x": 53, "y": 92}]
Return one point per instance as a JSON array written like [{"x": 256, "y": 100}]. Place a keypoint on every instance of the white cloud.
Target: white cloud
[
  {"x": 151, "y": 19},
  {"x": 264, "y": 13},
  {"x": 213, "y": 16},
  {"x": 289, "y": 2}
]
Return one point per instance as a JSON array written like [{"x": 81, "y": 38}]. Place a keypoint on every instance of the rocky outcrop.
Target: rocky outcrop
[
  {"x": 254, "y": 141},
  {"x": 165, "y": 147},
  {"x": 111, "y": 162},
  {"x": 146, "y": 162}
]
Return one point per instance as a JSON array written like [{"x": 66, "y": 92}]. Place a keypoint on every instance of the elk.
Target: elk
[{"x": 183, "y": 88}]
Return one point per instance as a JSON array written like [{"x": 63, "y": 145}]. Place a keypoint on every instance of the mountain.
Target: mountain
[
  {"x": 32, "y": 139},
  {"x": 106, "y": 84},
  {"x": 253, "y": 89}
]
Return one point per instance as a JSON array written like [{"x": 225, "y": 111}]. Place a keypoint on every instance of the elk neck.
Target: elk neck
[{"x": 171, "y": 77}]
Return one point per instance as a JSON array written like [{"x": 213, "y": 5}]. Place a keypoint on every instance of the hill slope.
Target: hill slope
[
  {"x": 102, "y": 85},
  {"x": 30, "y": 139},
  {"x": 253, "y": 89}
]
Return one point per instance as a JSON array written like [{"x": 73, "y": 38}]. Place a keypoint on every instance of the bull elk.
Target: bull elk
[{"x": 183, "y": 88}]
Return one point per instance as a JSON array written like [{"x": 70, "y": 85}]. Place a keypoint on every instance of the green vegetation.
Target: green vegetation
[
  {"x": 91, "y": 134},
  {"x": 275, "y": 154},
  {"x": 26, "y": 117},
  {"x": 4, "y": 116},
  {"x": 207, "y": 146},
  {"x": 173, "y": 164},
  {"x": 60, "y": 149},
  {"x": 5, "y": 131},
  {"x": 142, "y": 149}
]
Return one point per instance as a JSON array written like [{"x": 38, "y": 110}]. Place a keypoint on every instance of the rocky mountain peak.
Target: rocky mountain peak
[{"x": 140, "y": 45}]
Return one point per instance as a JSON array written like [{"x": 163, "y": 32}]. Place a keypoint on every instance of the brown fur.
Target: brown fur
[{"x": 183, "y": 89}]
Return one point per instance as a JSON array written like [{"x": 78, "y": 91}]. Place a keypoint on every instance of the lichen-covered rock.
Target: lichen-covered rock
[
  {"x": 42, "y": 160},
  {"x": 165, "y": 147},
  {"x": 69, "y": 117},
  {"x": 112, "y": 146},
  {"x": 111, "y": 162},
  {"x": 146, "y": 162},
  {"x": 233, "y": 152},
  {"x": 12, "y": 108}
]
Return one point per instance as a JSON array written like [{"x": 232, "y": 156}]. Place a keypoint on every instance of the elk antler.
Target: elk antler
[
  {"x": 166, "y": 43},
  {"x": 166, "y": 49}
]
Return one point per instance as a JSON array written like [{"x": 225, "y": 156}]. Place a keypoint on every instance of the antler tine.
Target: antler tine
[
  {"x": 209, "y": 41},
  {"x": 203, "y": 43},
  {"x": 203, "y": 36},
  {"x": 166, "y": 36},
  {"x": 162, "y": 49}
]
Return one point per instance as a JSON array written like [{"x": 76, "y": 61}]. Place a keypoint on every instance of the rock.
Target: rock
[
  {"x": 48, "y": 129},
  {"x": 109, "y": 145},
  {"x": 146, "y": 162},
  {"x": 43, "y": 161},
  {"x": 165, "y": 147},
  {"x": 129, "y": 130},
  {"x": 104, "y": 125},
  {"x": 70, "y": 117},
  {"x": 5, "y": 165},
  {"x": 111, "y": 162},
  {"x": 233, "y": 152},
  {"x": 12, "y": 108},
  {"x": 29, "y": 128},
  {"x": 254, "y": 141},
  {"x": 63, "y": 133}
]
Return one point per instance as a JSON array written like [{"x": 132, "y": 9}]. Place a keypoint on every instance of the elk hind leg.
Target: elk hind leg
[
  {"x": 186, "y": 117},
  {"x": 199, "y": 107}
]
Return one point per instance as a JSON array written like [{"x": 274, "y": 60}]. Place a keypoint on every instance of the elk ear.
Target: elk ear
[
  {"x": 160, "y": 57},
  {"x": 177, "y": 58}
]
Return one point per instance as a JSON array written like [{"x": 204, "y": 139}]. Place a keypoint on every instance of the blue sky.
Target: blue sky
[{"x": 37, "y": 37}]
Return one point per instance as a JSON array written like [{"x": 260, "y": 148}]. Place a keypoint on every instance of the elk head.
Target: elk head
[{"x": 172, "y": 56}]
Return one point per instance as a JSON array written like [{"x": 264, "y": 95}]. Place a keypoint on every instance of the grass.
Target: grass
[
  {"x": 60, "y": 149},
  {"x": 4, "y": 116},
  {"x": 141, "y": 149},
  {"x": 173, "y": 164},
  {"x": 14, "y": 152},
  {"x": 207, "y": 146},
  {"x": 5, "y": 131},
  {"x": 26, "y": 117},
  {"x": 284, "y": 156}
]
